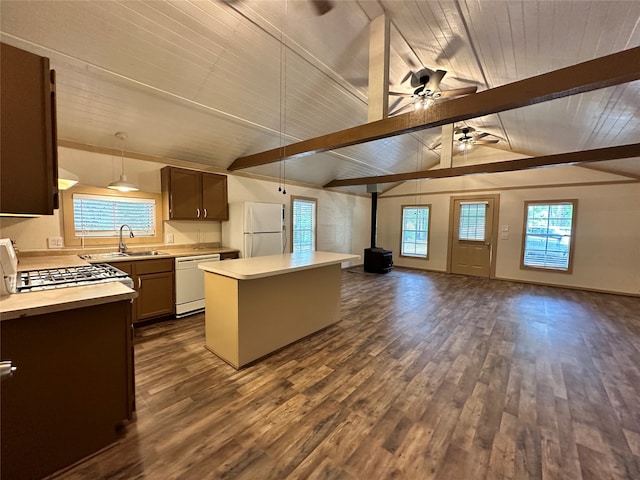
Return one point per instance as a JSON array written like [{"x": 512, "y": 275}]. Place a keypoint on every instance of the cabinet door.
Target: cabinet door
[
  {"x": 28, "y": 146},
  {"x": 71, "y": 388},
  {"x": 155, "y": 295},
  {"x": 185, "y": 193},
  {"x": 214, "y": 197}
]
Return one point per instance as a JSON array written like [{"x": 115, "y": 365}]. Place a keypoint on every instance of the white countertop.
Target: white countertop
[
  {"x": 260, "y": 267},
  {"x": 59, "y": 299}
]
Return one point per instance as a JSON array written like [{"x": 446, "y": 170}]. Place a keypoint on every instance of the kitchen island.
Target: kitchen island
[{"x": 255, "y": 306}]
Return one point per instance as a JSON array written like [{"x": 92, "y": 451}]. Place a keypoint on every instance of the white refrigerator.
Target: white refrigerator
[{"x": 254, "y": 228}]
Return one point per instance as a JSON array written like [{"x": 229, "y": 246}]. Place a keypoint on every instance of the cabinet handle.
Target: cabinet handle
[
  {"x": 205, "y": 213},
  {"x": 139, "y": 282},
  {"x": 6, "y": 368},
  {"x": 198, "y": 212}
]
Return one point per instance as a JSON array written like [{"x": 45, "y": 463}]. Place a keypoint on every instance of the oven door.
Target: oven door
[{"x": 190, "y": 284}]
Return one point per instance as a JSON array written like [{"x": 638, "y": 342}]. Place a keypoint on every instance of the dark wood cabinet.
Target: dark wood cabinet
[
  {"x": 71, "y": 391},
  {"x": 28, "y": 146},
  {"x": 194, "y": 195},
  {"x": 228, "y": 255},
  {"x": 154, "y": 280}
]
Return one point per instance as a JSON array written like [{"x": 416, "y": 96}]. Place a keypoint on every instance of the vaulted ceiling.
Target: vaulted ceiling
[{"x": 211, "y": 81}]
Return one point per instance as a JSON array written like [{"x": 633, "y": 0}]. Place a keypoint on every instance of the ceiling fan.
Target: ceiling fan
[
  {"x": 469, "y": 138},
  {"x": 426, "y": 83}
]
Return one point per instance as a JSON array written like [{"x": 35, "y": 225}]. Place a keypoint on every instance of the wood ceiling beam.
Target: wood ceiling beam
[
  {"x": 585, "y": 156},
  {"x": 615, "y": 69}
]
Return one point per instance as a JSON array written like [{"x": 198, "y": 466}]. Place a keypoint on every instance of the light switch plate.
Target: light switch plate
[
  {"x": 505, "y": 228},
  {"x": 170, "y": 238},
  {"x": 54, "y": 242}
]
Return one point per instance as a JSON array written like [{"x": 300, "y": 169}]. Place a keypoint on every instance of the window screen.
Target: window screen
[
  {"x": 415, "y": 231},
  {"x": 472, "y": 221},
  {"x": 548, "y": 231},
  {"x": 102, "y": 215},
  {"x": 304, "y": 225}
]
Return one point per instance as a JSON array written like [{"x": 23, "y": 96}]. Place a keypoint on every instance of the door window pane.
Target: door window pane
[
  {"x": 415, "y": 231},
  {"x": 472, "y": 221},
  {"x": 548, "y": 233}
]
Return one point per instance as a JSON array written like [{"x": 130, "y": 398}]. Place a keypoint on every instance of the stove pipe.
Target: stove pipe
[{"x": 374, "y": 216}]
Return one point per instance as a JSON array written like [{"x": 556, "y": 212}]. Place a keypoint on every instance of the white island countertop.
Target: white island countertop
[{"x": 260, "y": 267}]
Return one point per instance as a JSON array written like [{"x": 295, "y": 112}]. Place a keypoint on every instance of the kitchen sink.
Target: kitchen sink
[
  {"x": 110, "y": 255},
  {"x": 145, "y": 253},
  {"x": 102, "y": 256}
]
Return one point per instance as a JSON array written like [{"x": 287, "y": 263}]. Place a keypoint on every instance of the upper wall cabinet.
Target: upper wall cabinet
[
  {"x": 194, "y": 195},
  {"x": 28, "y": 148}
]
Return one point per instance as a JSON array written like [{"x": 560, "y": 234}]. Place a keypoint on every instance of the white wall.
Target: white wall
[
  {"x": 607, "y": 243},
  {"x": 343, "y": 219}
]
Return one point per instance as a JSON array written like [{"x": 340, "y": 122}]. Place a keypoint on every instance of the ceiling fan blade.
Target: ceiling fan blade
[
  {"x": 458, "y": 92},
  {"x": 400, "y": 94},
  {"x": 321, "y": 6},
  {"x": 436, "y": 145},
  {"x": 395, "y": 103},
  {"x": 406, "y": 107},
  {"x": 486, "y": 142},
  {"x": 434, "y": 80},
  {"x": 450, "y": 49},
  {"x": 416, "y": 79},
  {"x": 412, "y": 76},
  {"x": 481, "y": 135}
]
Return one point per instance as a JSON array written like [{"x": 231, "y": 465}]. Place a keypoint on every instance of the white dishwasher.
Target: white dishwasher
[{"x": 190, "y": 283}]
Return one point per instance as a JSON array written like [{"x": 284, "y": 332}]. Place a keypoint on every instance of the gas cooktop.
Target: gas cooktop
[{"x": 50, "y": 278}]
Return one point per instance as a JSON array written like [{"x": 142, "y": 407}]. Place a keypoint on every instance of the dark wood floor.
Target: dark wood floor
[{"x": 426, "y": 376}]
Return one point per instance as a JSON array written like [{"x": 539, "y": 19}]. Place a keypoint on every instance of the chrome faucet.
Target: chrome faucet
[{"x": 122, "y": 248}]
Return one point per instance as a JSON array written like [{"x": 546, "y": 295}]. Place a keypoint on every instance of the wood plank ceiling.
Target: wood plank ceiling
[{"x": 211, "y": 81}]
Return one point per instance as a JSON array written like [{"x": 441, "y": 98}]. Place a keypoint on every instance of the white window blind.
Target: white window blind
[
  {"x": 102, "y": 215},
  {"x": 548, "y": 235},
  {"x": 304, "y": 225},
  {"x": 472, "y": 221},
  {"x": 415, "y": 231}
]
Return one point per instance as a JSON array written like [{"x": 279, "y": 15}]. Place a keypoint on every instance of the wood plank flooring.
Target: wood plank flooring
[{"x": 427, "y": 376}]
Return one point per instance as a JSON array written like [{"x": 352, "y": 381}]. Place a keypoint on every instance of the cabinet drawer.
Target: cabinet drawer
[
  {"x": 154, "y": 266},
  {"x": 126, "y": 267}
]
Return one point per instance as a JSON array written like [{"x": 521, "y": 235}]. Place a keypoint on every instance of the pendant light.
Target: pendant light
[
  {"x": 66, "y": 179},
  {"x": 123, "y": 184}
]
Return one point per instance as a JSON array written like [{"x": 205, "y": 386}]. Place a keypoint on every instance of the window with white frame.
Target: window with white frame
[
  {"x": 415, "y": 231},
  {"x": 548, "y": 235},
  {"x": 303, "y": 224}
]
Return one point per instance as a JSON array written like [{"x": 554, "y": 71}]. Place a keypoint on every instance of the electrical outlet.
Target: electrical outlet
[
  {"x": 170, "y": 238},
  {"x": 54, "y": 242},
  {"x": 505, "y": 236}
]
